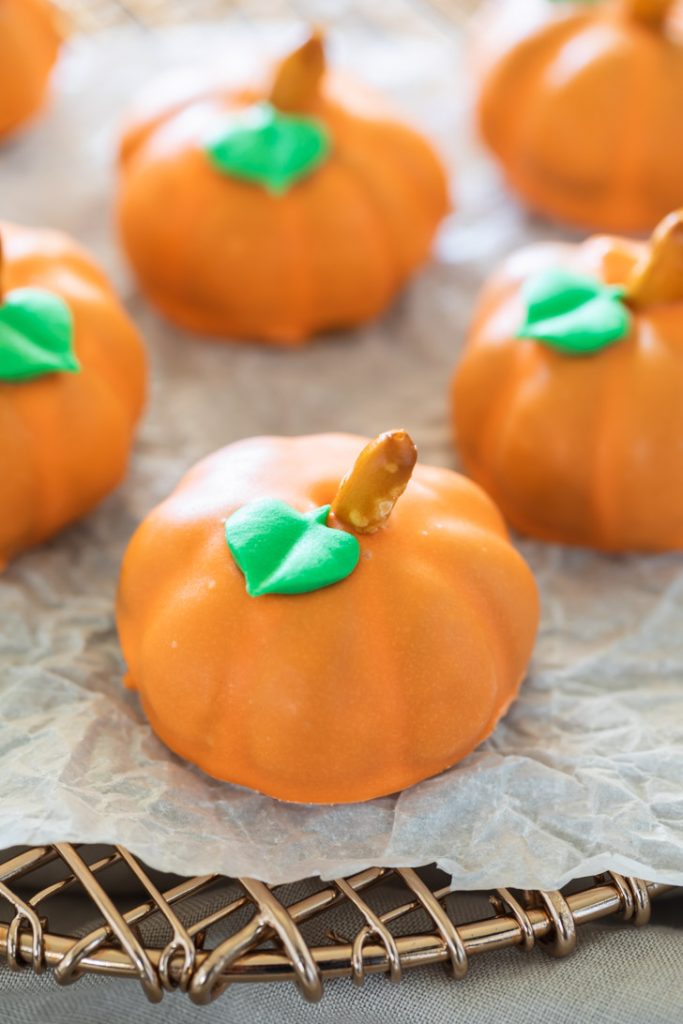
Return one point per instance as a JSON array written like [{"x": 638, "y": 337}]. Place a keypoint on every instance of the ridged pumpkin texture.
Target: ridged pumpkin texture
[
  {"x": 65, "y": 437},
  {"x": 29, "y": 44},
  {"x": 349, "y": 692},
  {"x": 584, "y": 450},
  {"x": 582, "y": 104},
  {"x": 228, "y": 258}
]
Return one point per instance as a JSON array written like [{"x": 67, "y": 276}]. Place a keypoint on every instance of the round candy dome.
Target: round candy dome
[
  {"x": 278, "y": 211},
  {"x": 321, "y": 620},
  {"x": 582, "y": 104},
  {"x": 72, "y": 385},
  {"x": 29, "y": 44},
  {"x": 567, "y": 402}
]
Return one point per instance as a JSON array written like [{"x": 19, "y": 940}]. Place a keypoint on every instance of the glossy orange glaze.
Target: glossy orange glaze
[
  {"x": 225, "y": 258},
  {"x": 65, "y": 438},
  {"x": 583, "y": 106},
  {"x": 29, "y": 43},
  {"x": 580, "y": 450},
  {"x": 347, "y": 693}
]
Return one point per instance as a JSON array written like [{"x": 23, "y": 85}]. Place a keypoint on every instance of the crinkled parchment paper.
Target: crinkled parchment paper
[{"x": 586, "y": 771}]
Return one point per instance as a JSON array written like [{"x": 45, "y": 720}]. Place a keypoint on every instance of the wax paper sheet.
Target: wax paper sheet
[{"x": 586, "y": 771}]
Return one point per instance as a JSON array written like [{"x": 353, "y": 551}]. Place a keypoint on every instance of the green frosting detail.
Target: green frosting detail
[
  {"x": 282, "y": 551},
  {"x": 265, "y": 146},
  {"x": 574, "y": 314},
  {"x": 36, "y": 335}
]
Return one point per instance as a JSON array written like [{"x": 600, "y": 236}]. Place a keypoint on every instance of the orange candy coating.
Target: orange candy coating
[
  {"x": 65, "y": 438},
  {"x": 29, "y": 43},
  {"x": 346, "y": 693},
  {"x": 581, "y": 104},
  {"x": 226, "y": 258},
  {"x": 581, "y": 450}
]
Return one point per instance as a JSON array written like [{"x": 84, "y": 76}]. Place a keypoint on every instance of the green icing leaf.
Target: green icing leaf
[
  {"x": 574, "y": 314},
  {"x": 36, "y": 335},
  {"x": 263, "y": 145},
  {"x": 282, "y": 551}
]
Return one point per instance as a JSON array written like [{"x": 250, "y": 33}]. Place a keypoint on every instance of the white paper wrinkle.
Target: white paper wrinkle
[{"x": 584, "y": 774}]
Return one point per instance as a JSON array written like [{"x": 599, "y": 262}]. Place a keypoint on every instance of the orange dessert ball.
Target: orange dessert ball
[
  {"x": 289, "y": 630},
  {"x": 276, "y": 212},
  {"x": 72, "y": 384},
  {"x": 582, "y": 104},
  {"x": 568, "y": 401},
  {"x": 29, "y": 43}
]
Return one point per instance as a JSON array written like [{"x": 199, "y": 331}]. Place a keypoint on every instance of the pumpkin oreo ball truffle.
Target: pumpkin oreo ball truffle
[
  {"x": 29, "y": 43},
  {"x": 290, "y": 630},
  {"x": 275, "y": 213},
  {"x": 582, "y": 104},
  {"x": 72, "y": 384},
  {"x": 568, "y": 402}
]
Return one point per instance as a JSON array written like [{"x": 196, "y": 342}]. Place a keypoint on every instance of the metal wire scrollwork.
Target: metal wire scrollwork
[{"x": 262, "y": 935}]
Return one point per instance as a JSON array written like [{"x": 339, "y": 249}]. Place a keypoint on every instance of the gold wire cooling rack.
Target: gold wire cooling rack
[
  {"x": 202, "y": 934},
  {"x": 205, "y": 933}
]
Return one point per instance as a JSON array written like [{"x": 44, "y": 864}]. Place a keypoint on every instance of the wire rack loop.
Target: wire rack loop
[
  {"x": 271, "y": 918},
  {"x": 68, "y": 969},
  {"x": 641, "y": 900},
  {"x": 503, "y": 901},
  {"x": 24, "y": 917},
  {"x": 561, "y": 940},
  {"x": 262, "y": 936},
  {"x": 374, "y": 928},
  {"x": 447, "y": 930}
]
